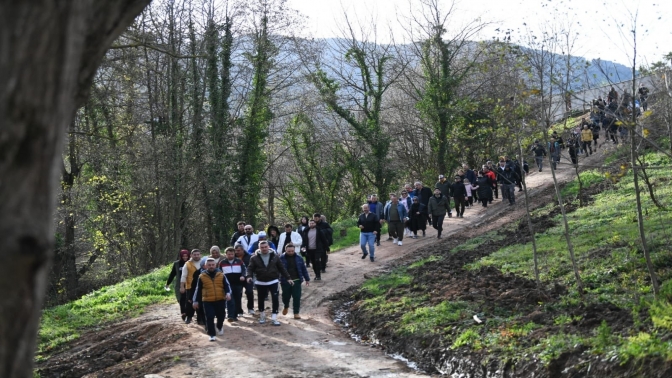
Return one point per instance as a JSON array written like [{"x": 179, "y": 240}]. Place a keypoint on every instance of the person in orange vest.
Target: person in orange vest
[{"x": 213, "y": 291}]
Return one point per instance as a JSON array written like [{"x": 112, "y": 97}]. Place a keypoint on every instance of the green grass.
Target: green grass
[
  {"x": 427, "y": 320},
  {"x": 588, "y": 178},
  {"x": 352, "y": 234},
  {"x": 64, "y": 323},
  {"x": 605, "y": 239}
]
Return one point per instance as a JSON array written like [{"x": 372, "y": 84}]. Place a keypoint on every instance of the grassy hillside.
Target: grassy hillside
[
  {"x": 64, "y": 323},
  {"x": 425, "y": 310}
]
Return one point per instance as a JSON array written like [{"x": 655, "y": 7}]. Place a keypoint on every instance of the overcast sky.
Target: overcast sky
[{"x": 599, "y": 37}]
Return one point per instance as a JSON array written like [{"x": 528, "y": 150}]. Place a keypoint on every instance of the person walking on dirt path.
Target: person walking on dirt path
[
  {"x": 507, "y": 180},
  {"x": 446, "y": 190},
  {"x": 322, "y": 225},
  {"x": 298, "y": 274},
  {"x": 405, "y": 200},
  {"x": 213, "y": 291},
  {"x": 587, "y": 139},
  {"x": 369, "y": 227},
  {"x": 176, "y": 272},
  {"x": 247, "y": 239},
  {"x": 396, "y": 216},
  {"x": 245, "y": 257},
  {"x": 239, "y": 232},
  {"x": 490, "y": 173},
  {"x": 314, "y": 242},
  {"x": 554, "y": 150},
  {"x": 376, "y": 208},
  {"x": 234, "y": 270},
  {"x": 573, "y": 146},
  {"x": 484, "y": 188},
  {"x": 417, "y": 219},
  {"x": 289, "y": 236},
  {"x": 438, "y": 207},
  {"x": 424, "y": 194},
  {"x": 459, "y": 196},
  {"x": 190, "y": 272},
  {"x": 539, "y": 153},
  {"x": 329, "y": 233},
  {"x": 303, "y": 225},
  {"x": 266, "y": 266}
]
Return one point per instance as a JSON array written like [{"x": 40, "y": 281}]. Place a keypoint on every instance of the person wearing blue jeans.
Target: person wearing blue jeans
[{"x": 369, "y": 227}]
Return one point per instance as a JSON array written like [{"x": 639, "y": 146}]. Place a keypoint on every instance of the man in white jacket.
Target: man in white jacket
[
  {"x": 248, "y": 238},
  {"x": 289, "y": 236}
]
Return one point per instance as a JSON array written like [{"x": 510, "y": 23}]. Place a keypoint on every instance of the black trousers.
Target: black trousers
[
  {"x": 316, "y": 258},
  {"x": 437, "y": 222},
  {"x": 212, "y": 310},
  {"x": 262, "y": 293},
  {"x": 459, "y": 205},
  {"x": 249, "y": 293}
]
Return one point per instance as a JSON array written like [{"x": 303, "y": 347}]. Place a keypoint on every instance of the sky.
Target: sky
[{"x": 596, "y": 22}]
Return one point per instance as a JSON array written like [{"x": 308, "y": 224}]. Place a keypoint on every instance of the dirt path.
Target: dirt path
[{"x": 159, "y": 342}]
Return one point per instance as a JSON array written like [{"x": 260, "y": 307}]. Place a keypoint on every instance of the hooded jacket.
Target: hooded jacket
[{"x": 266, "y": 275}]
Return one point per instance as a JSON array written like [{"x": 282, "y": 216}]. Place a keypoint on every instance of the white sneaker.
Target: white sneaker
[
  {"x": 220, "y": 331},
  {"x": 262, "y": 317},
  {"x": 250, "y": 312},
  {"x": 275, "y": 322},
  {"x": 399, "y": 243},
  {"x": 394, "y": 241},
  {"x": 212, "y": 338}
]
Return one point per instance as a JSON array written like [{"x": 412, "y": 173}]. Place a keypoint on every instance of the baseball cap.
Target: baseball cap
[
  {"x": 261, "y": 234},
  {"x": 441, "y": 176}
]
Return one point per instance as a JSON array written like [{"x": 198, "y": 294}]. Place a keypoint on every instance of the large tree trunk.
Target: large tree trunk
[{"x": 49, "y": 52}]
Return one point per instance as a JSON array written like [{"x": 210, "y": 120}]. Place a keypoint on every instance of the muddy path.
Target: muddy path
[{"x": 158, "y": 342}]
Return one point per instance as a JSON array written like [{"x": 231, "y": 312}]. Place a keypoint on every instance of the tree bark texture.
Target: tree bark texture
[{"x": 49, "y": 52}]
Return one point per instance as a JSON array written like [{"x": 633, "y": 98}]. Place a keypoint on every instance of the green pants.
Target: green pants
[{"x": 292, "y": 291}]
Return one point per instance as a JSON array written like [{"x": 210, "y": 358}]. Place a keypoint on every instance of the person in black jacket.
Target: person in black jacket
[
  {"x": 234, "y": 269},
  {"x": 240, "y": 232},
  {"x": 322, "y": 225},
  {"x": 369, "y": 227},
  {"x": 315, "y": 244},
  {"x": 265, "y": 269},
  {"x": 484, "y": 188},
  {"x": 182, "y": 258},
  {"x": 417, "y": 219},
  {"x": 424, "y": 194},
  {"x": 506, "y": 177},
  {"x": 539, "y": 153},
  {"x": 242, "y": 255},
  {"x": 460, "y": 196}
]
